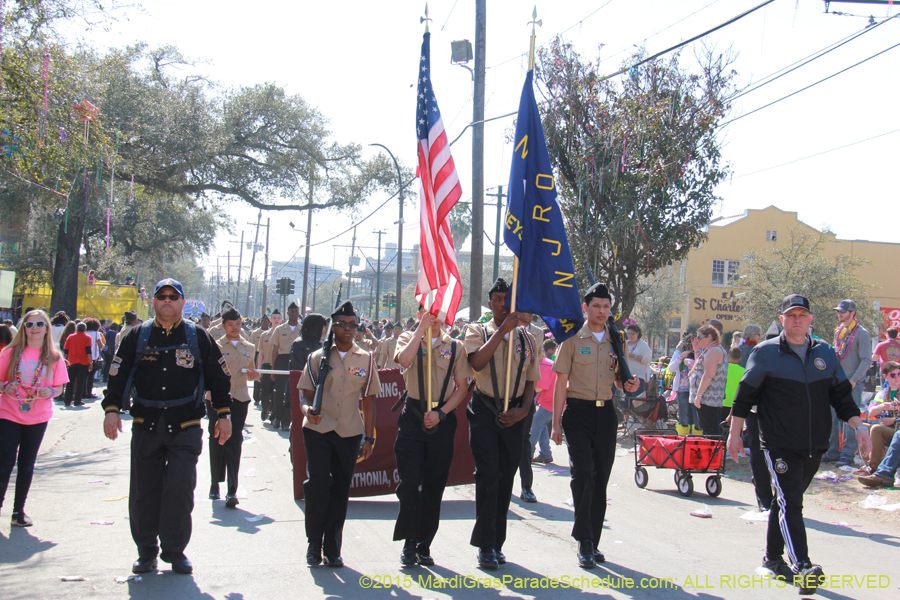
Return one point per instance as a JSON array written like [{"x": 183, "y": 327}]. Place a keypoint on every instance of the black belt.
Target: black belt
[
  {"x": 598, "y": 402},
  {"x": 495, "y": 405},
  {"x": 166, "y": 403}
]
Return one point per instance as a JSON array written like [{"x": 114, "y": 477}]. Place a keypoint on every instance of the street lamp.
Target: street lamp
[{"x": 399, "y": 232}]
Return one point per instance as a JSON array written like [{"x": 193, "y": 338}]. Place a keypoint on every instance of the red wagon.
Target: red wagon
[{"x": 685, "y": 454}]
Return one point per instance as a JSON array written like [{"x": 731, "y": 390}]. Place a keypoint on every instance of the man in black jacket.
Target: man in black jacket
[
  {"x": 169, "y": 377},
  {"x": 794, "y": 381}
]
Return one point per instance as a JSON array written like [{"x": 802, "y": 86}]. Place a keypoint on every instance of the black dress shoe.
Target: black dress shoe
[
  {"x": 313, "y": 556},
  {"x": 423, "y": 555},
  {"x": 334, "y": 563},
  {"x": 528, "y": 495},
  {"x": 408, "y": 557},
  {"x": 183, "y": 566},
  {"x": 486, "y": 559},
  {"x": 501, "y": 558},
  {"x": 214, "y": 492},
  {"x": 586, "y": 554},
  {"x": 598, "y": 557},
  {"x": 144, "y": 565},
  {"x": 231, "y": 501}
]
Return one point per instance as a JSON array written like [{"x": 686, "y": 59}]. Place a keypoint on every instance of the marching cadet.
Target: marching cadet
[
  {"x": 424, "y": 457},
  {"x": 586, "y": 371},
  {"x": 332, "y": 437},
  {"x": 226, "y": 458},
  {"x": 170, "y": 362},
  {"x": 495, "y": 436},
  {"x": 265, "y": 358},
  {"x": 255, "y": 334},
  {"x": 282, "y": 338},
  {"x": 388, "y": 349}
]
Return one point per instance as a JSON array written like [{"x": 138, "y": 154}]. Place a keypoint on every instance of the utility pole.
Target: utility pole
[
  {"x": 265, "y": 296},
  {"x": 350, "y": 274},
  {"x": 308, "y": 233},
  {"x": 378, "y": 274},
  {"x": 229, "y": 276},
  {"x": 315, "y": 281},
  {"x": 477, "y": 257},
  {"x": 499, "y": 196},
  {"x": 240, "y": 262},
  {"x": 252, "y": 261},
  {"x": 218, "y": 285}
]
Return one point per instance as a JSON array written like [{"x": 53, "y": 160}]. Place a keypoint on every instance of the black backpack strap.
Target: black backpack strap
[
  {"x": 143, "y": 338},
  {"x": 423, "y": 401},
  {"x": 449, "y": 372},
  {"x": 521, "y": 362},
  {"x": 190, "y": 331}
]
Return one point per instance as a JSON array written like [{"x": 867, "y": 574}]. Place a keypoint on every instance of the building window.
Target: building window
[
  {"x": 771, "y": 235},
  {"x": 675, "y": 324},
  {"x": 725, "y": 272}
]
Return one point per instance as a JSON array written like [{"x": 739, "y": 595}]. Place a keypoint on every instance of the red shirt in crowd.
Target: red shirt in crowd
[
  {"x": 78, "y": 345},
  {"x": 888, "y": 350}
]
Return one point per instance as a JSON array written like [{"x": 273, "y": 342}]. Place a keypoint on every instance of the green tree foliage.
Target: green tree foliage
[
  {"x": 660, "y": 296},
  {"x": 801, "y": 266},
  {"x": 637, "y": 160}
]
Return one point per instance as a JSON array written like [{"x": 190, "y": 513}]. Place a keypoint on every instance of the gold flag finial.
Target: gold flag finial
[
  {"x": 425, "y": 19},
  {"x": 533, "y": 22}
]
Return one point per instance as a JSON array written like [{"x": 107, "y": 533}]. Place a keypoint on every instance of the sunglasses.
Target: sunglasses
[
  {"x": 893, "y": 375},
  {"x": 700, "y": 337},
  {"x": 172, "y": 297},
  {"x": 843, "y": 312},
  {"x": 38, "y": 324},
  {"x": 344, "y": 326}
]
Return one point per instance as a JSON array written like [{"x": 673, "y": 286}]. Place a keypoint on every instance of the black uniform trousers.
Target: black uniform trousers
[
  {"x": 266, "y": 386},
  {"x": 330, "y": 462},
  {"x": 281, "y": 412},
  {"x": 497, "y": 451},
  {"x": 163, "y": 478},
  {"x": 791, "y": 474},
  {"x": 423, "y": 464},
  {"x": 225, "y": 459},
  {"x": 525, "y": 472},
  {"x": 591, "y": 439},
  {"x": 75, "y": 388},
  {"x": 257, "y": 388},
  {"x": 762, "y": 481}
]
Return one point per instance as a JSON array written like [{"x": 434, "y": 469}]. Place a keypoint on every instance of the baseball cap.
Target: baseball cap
[
  {"x": 794, "y": 301},
  {"x": 169, "y": 282},
  {"x": 846, "y": 305}
]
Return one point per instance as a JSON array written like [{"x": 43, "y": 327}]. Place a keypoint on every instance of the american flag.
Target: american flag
[{"x": 438, "y": 288}]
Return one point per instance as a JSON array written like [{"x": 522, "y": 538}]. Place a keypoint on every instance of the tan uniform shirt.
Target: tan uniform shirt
[
  {"x": 217, "y": 330},
  {"x": 351, "y": 378},
  {"x": 283, "y": 337},
  {"x": 440, "y": 362},
  {"x": 387, "y": 350},
  {"x": 265, "y": 346},
  {"x": 238, "y": 356},
  {"x": 254, "y": 337},
  {"x": 121, "y": 336},
  {"x": 477, "y": 335},
  {"x": 538, "y": 334},
  {"x": 590, "y": 365}
]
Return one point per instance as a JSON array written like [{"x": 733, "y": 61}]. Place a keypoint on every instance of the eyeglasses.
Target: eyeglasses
[
  {"x": 700, "y": 337},
  {"x": 893, "y": 375},
  {"x": 38, "y": 324},
  {"x": 843, "y": 312},
  {"x": 172, "y": 297},
  {"x": 343, "y": 325}
]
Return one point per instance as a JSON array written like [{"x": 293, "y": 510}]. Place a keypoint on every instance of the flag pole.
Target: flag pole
[
  {"x": 429, "y": 405},
  {"x": 515, "y": 283}
]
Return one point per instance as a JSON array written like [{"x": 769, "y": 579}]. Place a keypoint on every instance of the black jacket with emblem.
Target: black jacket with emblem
[
  {"x": 794, "y": 398},
  {"x": 168, "y": 375}
]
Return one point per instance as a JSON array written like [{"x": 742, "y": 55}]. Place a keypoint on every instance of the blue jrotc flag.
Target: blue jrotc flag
[{"x": 534, "y": 228}]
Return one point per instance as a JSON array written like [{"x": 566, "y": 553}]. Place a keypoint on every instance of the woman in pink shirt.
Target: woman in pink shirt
[
  {"x": 32, "y": 372},
  {"x": 544, "y": 413}
]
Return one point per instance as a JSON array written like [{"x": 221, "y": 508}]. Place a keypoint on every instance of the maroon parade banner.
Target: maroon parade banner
[{"x": 378, "y": 476}]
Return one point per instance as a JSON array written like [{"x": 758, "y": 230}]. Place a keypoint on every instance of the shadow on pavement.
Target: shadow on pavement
[
  {"x": 21, "y": 545},
  {"x": 840, "y": 530},
  {"x": 166, "y": 584}
]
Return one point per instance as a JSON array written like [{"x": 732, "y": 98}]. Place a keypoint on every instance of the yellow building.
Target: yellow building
[{"x": 709, "y": 273}]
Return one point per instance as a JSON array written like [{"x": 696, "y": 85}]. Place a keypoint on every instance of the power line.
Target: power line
[
  {"x": 691, "y": 40},
  {"x": 518, "y": 56},
  {"x": 790, "y": 162},
  {"x": 809, "y": 86},
  {"x": 664, "y": 29},
  {"x": 805, "y": 61}
]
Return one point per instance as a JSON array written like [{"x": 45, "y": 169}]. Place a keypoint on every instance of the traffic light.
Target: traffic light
[
  {"x": 280, "y": 287},
  {"x": 392, "y": 300},
  {"x": 385, "y": 300},
  {"x": 290, "y": 286}
]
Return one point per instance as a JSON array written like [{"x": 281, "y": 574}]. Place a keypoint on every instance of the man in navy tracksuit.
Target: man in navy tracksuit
[{"x": 794, "y": 381}]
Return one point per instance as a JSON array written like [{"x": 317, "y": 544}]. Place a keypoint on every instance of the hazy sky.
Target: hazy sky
[{"x": 357, "y": 62}]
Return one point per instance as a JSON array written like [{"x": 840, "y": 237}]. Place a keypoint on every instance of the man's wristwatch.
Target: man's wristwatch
[
  {"x": 369, "y": 439},
  {"x": 441, "y": 414},
  {"x": 225, "y": 416}
]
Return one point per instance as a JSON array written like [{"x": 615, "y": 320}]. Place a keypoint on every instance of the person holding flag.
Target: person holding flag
[{"x": 429, "y": 359}]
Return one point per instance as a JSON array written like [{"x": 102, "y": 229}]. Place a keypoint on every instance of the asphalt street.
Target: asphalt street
[{"x": 654, "y": 547}]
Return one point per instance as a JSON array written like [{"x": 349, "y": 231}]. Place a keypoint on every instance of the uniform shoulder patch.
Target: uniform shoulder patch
[{"x": 820, "y": 364}]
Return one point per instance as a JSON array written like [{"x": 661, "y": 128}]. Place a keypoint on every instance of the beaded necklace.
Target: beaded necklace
[
  {"x": 843, "y": 337},
  {"x": 25, "y": 403}
]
